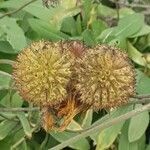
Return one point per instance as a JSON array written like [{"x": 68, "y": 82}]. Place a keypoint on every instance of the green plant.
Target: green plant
[{"x": 118, "y": 24}]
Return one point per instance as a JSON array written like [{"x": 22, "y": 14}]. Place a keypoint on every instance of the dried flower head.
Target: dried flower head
[
  {"x": 106, "y": 77},
  {"x": 42, "y": 72},
  {"x": 59, "y": 117}
]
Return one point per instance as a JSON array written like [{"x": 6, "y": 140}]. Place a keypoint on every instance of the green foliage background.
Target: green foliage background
[{"x": 92, "y": 23}]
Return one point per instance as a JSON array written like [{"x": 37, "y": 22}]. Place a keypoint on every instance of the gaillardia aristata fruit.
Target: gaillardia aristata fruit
[
  {"x": 42, "y": 72},
  {"x": 106, "y": 77}
]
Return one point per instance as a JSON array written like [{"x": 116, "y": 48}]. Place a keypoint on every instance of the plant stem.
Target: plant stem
[
  {"x": 15, "y": 11},
  {"x": 102, "y": 126},
  {"x": 117, "y": 9},
  {"x": 142, "y": 96},
  {"x": 17, "y": 144},
  {"x": 141, "y": 99},
  {"x": 19, "y": 109}
]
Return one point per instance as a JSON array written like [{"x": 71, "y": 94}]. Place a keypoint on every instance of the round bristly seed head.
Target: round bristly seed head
[
  {"x": 106, "y": 77},
  {"x": 42, "y": 72}
]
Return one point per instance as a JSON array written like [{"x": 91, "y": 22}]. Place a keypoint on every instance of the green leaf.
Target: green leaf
[
  {"x": 88, "y": 37},
  {"x": 124, "y": 11},
  {"x": 124, "y": 143},
  {"x": 4, "y": 81},
  {"x": 148, "y": 147},
  {"x": 51, "y": 142},
  {"x": 97, "y": 137},
  {"x": 143, "y": 82},
  {"x": 45, "y": 30},
  {"x": 79, "y": 25},
  {"x": 5, "y": 143},
  {"x": 67, "y": 4},
  {"x": 21, "y": 145},
  {"x": 138, "y": 125},
  {"x": 142, "y": 142},
  {"x": 16, "y": 100},
  {"x": 106, "y": 11},
  {"x": 5, "y": 101},
  {"x": 69, "y": 26},
  {"x": 74, "y": 126},
  {"x": 6, "y": 127},
  {"x": 135, "y": 55},
  {"x": 86, "y": 11},
  {"x": 97, "y": 27},
  {"x": 82, "y": 144},
  {"x": 5, "y": 47},
  {"x": 108, "y": 136},
  {"x": 12, "y": 138},
  {"x": 103, "y": 10},
  {"x": 59, "y": 13},
  {"x": 19, "y": 135},
  {"x": 106, "y": 35},
  {"x": 8, "y": 115},
  {"x": 25, "y": 124},
  {"x": 129, "y": 25},
  {"x": 11, "y": 100},
  {"x": 87, "y": 119},
  {"x": 119, "y": 42},
  {"x": 18, "y": 40},
  {"x": 144, "y": 31}
]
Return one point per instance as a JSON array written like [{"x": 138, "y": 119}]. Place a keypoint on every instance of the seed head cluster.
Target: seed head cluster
[{"x": 62, "y": 77}]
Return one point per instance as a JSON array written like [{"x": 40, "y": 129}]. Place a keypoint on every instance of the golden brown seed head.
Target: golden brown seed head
[
  {"x": 42, "y": 72},
  {"x": 105, "y": 77}
]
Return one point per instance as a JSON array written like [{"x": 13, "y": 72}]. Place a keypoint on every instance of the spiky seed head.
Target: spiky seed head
[
  {"x": 42, "y": 72},
  {"x": 106, "y": 77}
]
